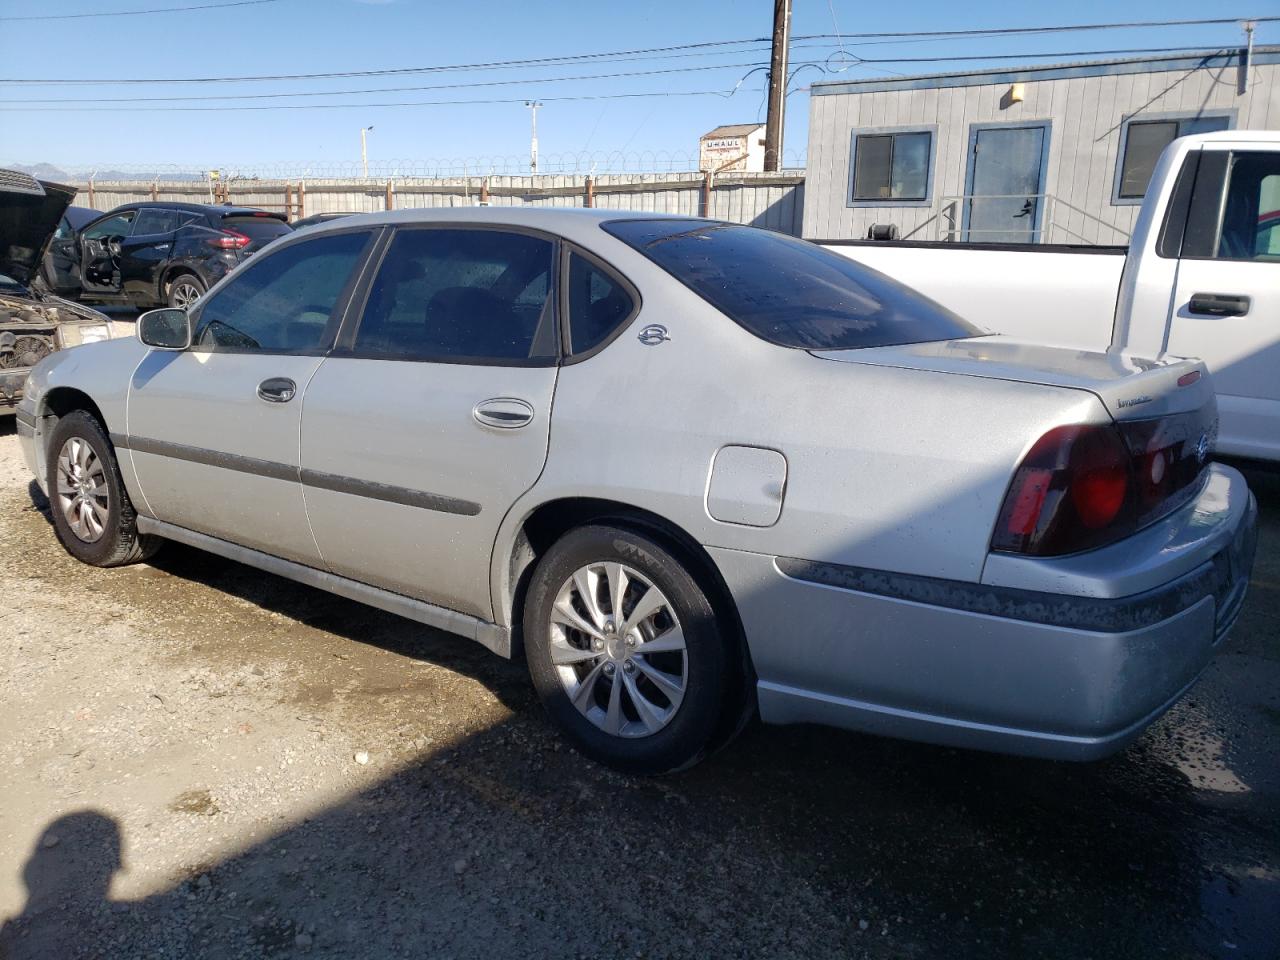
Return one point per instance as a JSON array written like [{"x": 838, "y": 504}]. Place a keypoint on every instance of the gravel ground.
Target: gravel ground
[{"x": 200, "y": 760}]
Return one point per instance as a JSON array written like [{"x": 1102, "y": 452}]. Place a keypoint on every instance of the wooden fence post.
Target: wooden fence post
[
  {"x": 590, "y": 200},
  {"x": 390, "y": 202},
  {"x": 302, "y": 199},
  {"x": 484, "y": 192}
]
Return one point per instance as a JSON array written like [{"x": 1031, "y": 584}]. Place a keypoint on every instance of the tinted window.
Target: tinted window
[
  {"x": 598, "y": 302},
  {"x": 117, "y": 226},
  {"x": 1251, "y": 213},
  {"x": 790, "y": 292},
  {"x": 260, "y": 229},
  {"x": 1145, "y": 140},
  {"x": 283, "y": 302},
  {"x": 461, "y": 295},
  {"x": 891, "y": 166},
  {"x": 152, "y": 220}
]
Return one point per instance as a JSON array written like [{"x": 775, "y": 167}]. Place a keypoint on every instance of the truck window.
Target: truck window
[{"x": 1251, "y": 212}]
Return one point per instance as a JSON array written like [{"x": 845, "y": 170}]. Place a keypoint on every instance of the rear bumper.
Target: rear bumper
[{"x": 995, "y": 668}]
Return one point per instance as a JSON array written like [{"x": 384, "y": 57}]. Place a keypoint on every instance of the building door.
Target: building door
[{"x": 1004, "y": 183}]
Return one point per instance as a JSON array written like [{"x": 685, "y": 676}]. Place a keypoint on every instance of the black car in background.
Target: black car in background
[
  {"x": 61, "y": 267},
  {"x": 159, "y": 254}
]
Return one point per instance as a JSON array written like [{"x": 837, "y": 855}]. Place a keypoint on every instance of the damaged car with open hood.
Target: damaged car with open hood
[{"x": 34, "y": 324}]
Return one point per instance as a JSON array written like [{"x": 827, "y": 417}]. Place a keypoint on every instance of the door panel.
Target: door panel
[
  {"x": 214, "y": 429},
  {"x": 211, "y": 455},
  {"x": 1005, "y": 171},
  {"x": 404, "y": 486},
  {"x": 1241, "y": 342},
  {"x": 99, "y": 247}
]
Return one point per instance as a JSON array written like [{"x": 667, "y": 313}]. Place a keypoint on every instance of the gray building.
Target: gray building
[{"x": 1053, "y": 154}]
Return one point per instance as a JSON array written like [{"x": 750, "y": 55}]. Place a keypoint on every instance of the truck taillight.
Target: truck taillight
[
  {"x": 1082, "y": 486},
  {"x": 229, "y": 240}
]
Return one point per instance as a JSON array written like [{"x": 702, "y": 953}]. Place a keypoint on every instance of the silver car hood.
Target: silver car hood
[{"x": 1130, "y": 387}]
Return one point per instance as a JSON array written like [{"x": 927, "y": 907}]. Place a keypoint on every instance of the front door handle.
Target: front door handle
[
  {"x": 504, "y": 413},
  {"x": 277, "y": 389},
  {"x": 1219, "y": 304}
]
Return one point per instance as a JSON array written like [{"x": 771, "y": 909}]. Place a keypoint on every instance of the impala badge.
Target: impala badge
[{"x": 653, "y": 334}]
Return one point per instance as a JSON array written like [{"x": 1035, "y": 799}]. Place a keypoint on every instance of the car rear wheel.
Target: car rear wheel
[
  {"x": 625, "y": 650},
  {"x": 184, "y": 290},
  {"x": 92, "y": 514}
]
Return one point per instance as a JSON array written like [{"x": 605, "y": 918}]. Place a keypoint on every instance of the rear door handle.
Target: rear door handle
[
  {"x": 277, "y": 389},
  {"x": 1219, "y": 304},
  {"x": 504, "y": 413}
]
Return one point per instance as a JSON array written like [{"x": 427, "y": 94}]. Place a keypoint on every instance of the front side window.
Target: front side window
[
  {"x": 891, "y": 166},
  {"x": 1251, "y": 213},
  {"x": 787, "y": 291},
  {"x": 117, "y": 226},
  {"x": 598, "y": 303},
  {"x": 1145, "y": 140},
  {"x": 461, "y": 296},
  {"x": 284, "y": 302}
]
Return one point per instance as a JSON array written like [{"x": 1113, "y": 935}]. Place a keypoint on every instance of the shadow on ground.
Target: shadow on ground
[{"x": 792, "y": 842}]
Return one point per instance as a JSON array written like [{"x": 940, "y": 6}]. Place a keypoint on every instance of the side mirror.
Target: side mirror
[{"x": 165, "y": 329}]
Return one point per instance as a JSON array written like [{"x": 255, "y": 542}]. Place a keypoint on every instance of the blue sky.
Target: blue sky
[{"x": 302, "y": 36}]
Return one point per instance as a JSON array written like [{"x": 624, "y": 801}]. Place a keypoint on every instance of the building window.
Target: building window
[
  {"x": 1144, "y": 140},
  {"x": 889, "y": 167}
]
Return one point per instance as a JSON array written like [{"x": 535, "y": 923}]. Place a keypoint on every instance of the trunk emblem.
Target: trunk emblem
[{"x": 653, "y": 334}]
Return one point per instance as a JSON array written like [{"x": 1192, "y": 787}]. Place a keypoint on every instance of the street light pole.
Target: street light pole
[
  {"x": 364, "y": 150},
  {"x": 533, "y": 105}
]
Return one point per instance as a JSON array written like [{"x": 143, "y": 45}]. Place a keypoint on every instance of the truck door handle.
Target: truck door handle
[
  {"x": 1219, "y": 304},
  {"x": 504, "y": 413},
  {"x": 277, "y": 389}
]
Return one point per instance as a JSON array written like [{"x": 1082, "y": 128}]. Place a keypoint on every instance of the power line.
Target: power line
[
  {"x": 439, "y": 86},
  {"x": 366, "y": 106},
  {"x": 705, "y": 46},
  {"x": 595, "y": 76},
  {"x": 139, "y": 13}
]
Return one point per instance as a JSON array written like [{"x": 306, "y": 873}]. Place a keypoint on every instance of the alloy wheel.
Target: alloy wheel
[
  {"x": 81, "y": 488},
  {"x": 619, "y": 650},
  {"x": 185, "y": 293}
]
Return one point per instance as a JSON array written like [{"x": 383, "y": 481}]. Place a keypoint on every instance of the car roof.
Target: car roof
[
  {"x": 569, "y": 222},
  {"x": 208, "y": 208}
]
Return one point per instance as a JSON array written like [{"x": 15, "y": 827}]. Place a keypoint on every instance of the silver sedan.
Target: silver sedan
[{"x": 688, "y": 470}]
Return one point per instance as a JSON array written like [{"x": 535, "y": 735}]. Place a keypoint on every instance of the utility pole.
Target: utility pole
[
  {"x": 777, "y": 84},
  {"x": 364, "y": 149},
  {"x": 533, "y": 105}
]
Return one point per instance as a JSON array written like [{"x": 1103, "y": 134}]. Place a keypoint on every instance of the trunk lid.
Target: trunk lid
[
  {"x": 1131, "y": 388},
  {"x": 29, "y": 213}
]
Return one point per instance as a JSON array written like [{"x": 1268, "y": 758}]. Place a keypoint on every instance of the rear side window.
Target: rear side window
[
  {"x": 461, "y": 296},
  {"x": 1251, "y": 213},
  {"x": 598, "y": 302},
  {"x": 153, "y": 220},
  {"x": 790, "y": 292},
  {"x": 262, "y": 230},
  {"x": 285, "y": 302}
]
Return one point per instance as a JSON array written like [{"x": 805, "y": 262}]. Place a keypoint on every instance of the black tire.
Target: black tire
[
  {"x": 174, "y": 295},
  {"x": 689, "y": 732},
  {"x": 120, "y": 542}
]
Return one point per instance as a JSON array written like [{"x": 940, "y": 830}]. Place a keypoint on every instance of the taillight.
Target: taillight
[
  {"x": 1082, "y": 486},
  {"x": 229, "y": 240}
]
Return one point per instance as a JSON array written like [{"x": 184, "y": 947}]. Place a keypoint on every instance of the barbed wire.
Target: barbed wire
[{"x": 591, "y": 163}]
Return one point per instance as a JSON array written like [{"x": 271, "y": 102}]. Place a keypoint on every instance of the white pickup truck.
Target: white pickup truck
[{"x": 1201, "y": 278}]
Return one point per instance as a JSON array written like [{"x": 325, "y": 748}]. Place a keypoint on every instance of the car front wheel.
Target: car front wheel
[
  {"x": 625, "y": 650},
  {"x": 92, "y": 514}
]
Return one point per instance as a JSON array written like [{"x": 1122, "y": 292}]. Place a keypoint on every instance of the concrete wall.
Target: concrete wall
[
  {"x": 1086, "y": 113},
  {"x": 772, "y": 201}
]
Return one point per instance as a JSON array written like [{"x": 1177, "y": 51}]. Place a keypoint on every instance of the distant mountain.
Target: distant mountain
[{"x": 47, "y": 171}]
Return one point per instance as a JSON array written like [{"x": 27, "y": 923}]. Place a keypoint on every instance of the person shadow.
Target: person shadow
[{"x": 68, "y": 878}]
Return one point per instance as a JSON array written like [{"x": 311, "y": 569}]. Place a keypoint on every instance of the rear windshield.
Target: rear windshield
[
  {"x": 790, "y": 292},
  {"x": 261, "y": 229}
]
